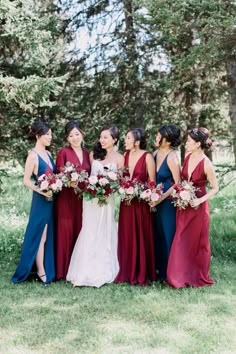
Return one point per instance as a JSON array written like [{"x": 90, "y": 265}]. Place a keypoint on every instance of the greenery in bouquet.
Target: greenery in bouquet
[
  {"x": 73, "y": 175},
  {"x": 183, "y": 193},
  {"x": 101, "y": 187},
  {"x": 151, "y": 192},
  {"x": 49, "y": 182},
  {"x": 129, "y": 189}
]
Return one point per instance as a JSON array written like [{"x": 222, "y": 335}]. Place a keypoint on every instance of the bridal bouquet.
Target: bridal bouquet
[
  {"x": 49, "y": 182},
  {"x": 151, "y": 192},
  {"x": 129, "y": 189},
  {"x": 183, "y": 193},
  {"x": 101, "y": 187},
  {"x": 72, "y": 173}
]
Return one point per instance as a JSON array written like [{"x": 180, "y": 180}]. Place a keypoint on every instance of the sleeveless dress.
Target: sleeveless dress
[
  {"x": 94, "y": 259},
  {"x": 68, "y": 212},
  {"x": 135, "y": 236},
  {"x": 164, "y": 221},
  {"x": 41, "y": 214},
  {"x": 190, "y": 254}
]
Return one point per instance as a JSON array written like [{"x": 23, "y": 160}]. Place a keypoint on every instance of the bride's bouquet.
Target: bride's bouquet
[
  {"x": 101, "y": 187},
  {"x": 49, "y": 182},
  {"x": 183, "y": 193},
  {"x": 71, "y": 173}
]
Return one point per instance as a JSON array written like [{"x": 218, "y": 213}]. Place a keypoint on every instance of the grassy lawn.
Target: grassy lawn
[{"x": 117, "y": 318}]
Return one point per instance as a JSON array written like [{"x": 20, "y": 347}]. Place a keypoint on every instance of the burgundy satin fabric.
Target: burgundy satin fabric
[
  {"x": 68, "y": 213},
  {"x": 190, "y": 254},
  {"x": 135, "y": 236}
]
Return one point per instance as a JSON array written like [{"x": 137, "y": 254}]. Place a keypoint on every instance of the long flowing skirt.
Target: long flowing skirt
[
  {"x": 136, "y": 244},
  {"x": 190, "y": 254},
  {"x": 41, "y": 214},
  {"x": 94, "y": 259}
]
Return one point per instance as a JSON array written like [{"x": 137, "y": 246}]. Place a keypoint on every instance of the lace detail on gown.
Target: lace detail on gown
[{"x": 94, "y": 259}]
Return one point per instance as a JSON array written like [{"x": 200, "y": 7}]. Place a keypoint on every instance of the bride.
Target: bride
[{"x": 94, "y": 259}]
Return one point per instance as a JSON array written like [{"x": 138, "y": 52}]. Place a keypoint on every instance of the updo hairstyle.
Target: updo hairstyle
[
  {"x": 201, "y": 135},
  {"x": 38, "y": 128},
  {"x": 171, "y": 133},
  {"x": 139, "y": 134}
]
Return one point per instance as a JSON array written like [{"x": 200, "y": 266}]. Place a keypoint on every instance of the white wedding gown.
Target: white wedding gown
[{"x": 94, "y": 259}]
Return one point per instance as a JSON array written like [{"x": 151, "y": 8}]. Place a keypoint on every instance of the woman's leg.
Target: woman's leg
[{"x": 40, "y": 256}]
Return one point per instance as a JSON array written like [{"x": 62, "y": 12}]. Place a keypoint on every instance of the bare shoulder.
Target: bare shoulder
[
  {"x": 154, "y": 154},
  {"x": 91, "y": 156},
  {"x": 149, "y": 157},
  {"x": 187, "y": 154},
  {"x": 32, "y": 160},
  {"x": 120, "y": 159},
  {"x": 173, "y": 157},
  {"x": 118, "y": 154},
  {"x": 208, "y": 166},
  {"x": 32, "y": 156}
]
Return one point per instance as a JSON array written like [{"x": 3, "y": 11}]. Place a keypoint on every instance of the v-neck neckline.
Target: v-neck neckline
[
  {"x": 51, "y": 165},
  {"x": 190, "y": 177},
  {"x": 157, "y": 171},
  {"x": 131, "y": 177},
  {"x": 80, "y": 162}
]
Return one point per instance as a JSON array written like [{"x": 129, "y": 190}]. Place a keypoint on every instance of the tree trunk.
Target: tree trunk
[
  {"x": 131, "y": 82},
  {"x": 231, "y": 80}
]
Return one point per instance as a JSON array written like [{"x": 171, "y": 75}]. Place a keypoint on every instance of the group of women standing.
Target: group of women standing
[{"x": 90, "y": 249}]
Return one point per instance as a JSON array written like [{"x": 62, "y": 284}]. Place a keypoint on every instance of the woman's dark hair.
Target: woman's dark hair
[
  {"x": 139, "y": 134},
  {"x": 98, "y": 152},
  {"x": 201, "y": 135},
  {"x": 38, "y": 128},
  {"x": 171, "y": 133},
  {"x": 70, "y": 126}
]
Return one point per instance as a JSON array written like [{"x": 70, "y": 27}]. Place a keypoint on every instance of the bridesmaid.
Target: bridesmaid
[
  {"x": 38, "y": 245},
  {"x": 68, "y": 205},
  {"x": 168, "y": 173},
  {"x": 189, "y": 260},
  {"x": 135, "y": 229}
]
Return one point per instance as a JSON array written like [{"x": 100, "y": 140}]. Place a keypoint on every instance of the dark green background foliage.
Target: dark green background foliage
[{"x": 118, "y": 78}]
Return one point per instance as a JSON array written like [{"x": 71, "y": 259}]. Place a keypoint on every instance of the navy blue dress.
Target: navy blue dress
[
  {"x": 41, "y": 214},
  {"x": 164, "y": 222}
]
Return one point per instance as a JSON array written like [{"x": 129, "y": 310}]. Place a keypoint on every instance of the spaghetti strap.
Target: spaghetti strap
[{"x": 51, "y": 165}]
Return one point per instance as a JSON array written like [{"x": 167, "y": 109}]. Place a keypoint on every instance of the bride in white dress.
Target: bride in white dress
[{"x": 94, "y": 259}]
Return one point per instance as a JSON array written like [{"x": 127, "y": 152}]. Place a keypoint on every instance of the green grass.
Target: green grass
[{"x": 116, "y": 318}]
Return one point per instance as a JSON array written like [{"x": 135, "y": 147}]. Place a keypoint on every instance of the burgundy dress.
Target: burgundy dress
[
  {"x": 135, "y": 236},
  {"x": 68, "y": 212},
  {"x": 190, "y": 254}
]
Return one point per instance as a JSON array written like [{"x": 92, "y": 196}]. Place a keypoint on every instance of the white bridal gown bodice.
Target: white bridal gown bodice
[
  {"x": 97, "y": 167},
  {"x": 94, "y": 259}
]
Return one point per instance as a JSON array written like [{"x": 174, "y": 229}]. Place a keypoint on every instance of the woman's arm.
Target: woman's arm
[
  {"x": 211, "y": 177},
  {"x": 91, "y": 156},
  {"x": 174, "y": 166},
  {"x": 151, "y": 170},
  {"x": 31, "y": 166},
  {"x": 121, "y": 161}
]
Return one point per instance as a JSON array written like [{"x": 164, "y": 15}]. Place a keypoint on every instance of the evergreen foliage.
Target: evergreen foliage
[{"x": 146, "y": 63}]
